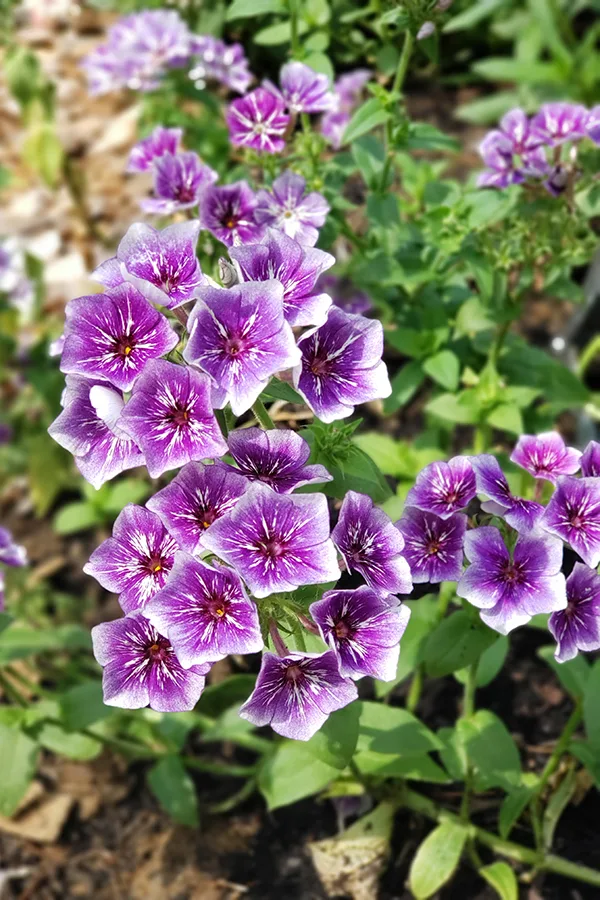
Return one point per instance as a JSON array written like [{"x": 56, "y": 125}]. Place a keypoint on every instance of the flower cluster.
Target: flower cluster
[
  {"x": 215, "y": 61},
  {"x": 542, "y": 149},
  {"x": 11, "y": 554}
]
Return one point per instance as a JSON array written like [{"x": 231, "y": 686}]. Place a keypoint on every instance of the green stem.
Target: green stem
[
  {"x": 498, "y": 343},
  {"x": 399, "y": 77},
  {"x": 294, "y": 36},
  {"x": 222, "y": 420},
  {"x": 416, "y": 686},
  {"x": 262, "y": 416},
  {"x": 468, "y": 710},
  {"x": 588, "y": 355},
  {"x": 218, "y": 768},
  {"x": 234, "y": 800}
]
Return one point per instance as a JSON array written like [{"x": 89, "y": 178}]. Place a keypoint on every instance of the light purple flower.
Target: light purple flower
[
  {"x": 136, "y": 561},
  {"x": 162, "y": 265},
  {"x": 578, "y": 626},
  {"x": 522, "y": 515},
  {"x": 573, "y": 514},
  {"x": 277, "y": 542},
  {"x": 592, "y": 125},
  {"x": 160, "y": 141},
  {"x": 113, "y": 336},
  {"x": 217, "y": 61},
  {"x": 512, "y": 153},
  {"x": 205, "y": 613},
  {"x": 141, "y": 668},
  {"x": 345, "y": 294},
  {"x": 333, "y": 126},
  {"x": 363, "y": 630},
  {"x": 229, "y": 212},
  {"x": 590, "y": 460},
  {"x": 443, "y": 488},
  {"x": 277, "y": 458},
  {"x": 296, "y": 267},
  {"x": 371, "y": 545},
  {"x": 170, "y": 416},
  {"x": 546, "y": 456},
  {"x": 258, "y": 121},
  {"x": 194, "y": 500},
  {"x": 558, "y": 122},
  {"x": 303, "y": 89},
  {"x": 240, "y": 337},
  {"x": 11, "y": 553},
  {"x": 288, "y": 207},
  {"x": 341, "y": 365},
  {"x": 180, "y": 182},
  {"x": 87, "y": 428},
  {"x": 511, "y": 588},
  {"x": 433, "y": 547},
  {"x": 295, "y": 694},
  {"x": 347, "y": 91}
]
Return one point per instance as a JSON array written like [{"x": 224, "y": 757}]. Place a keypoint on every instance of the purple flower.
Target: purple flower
[
  {"x": 205, "y": 613},
  {"x": 87, "y": 428},
  {"x": 229, "y": 212},
  {"x": 258, "y": 121},
  {"x": 180, "y": 182},
  {"x": 546, "y": 456},
  {"x": 160, "y": 141},
  {"x": 577, "y": 627},
  {"x": 141, "y": 668},
  {"x": 341, "y": 365},
  {"x": 573, "y": 514},
  {"x": 162, "y": 265},
  {"x": 371, "y": 545},
  {"x": 113, "y": 336},
  {"x": 558, "y": 122},
  {"x": 433, "y": 547},
  {"x": 295, "y": 694},
  {"x": 512, "y": 589},
  {"x": 303, "y": 89},
  {"x": 194, "y": 500},
  {"x": 345, "y": 294},
  {"x": 136, "y": 561},
  {"x": 512, "y": 153},
  {"x": 220, "y": 62},
  {"x": 139, "y": 49},
  {"x": 277, "y": 542},
  {"x": 521, "y": 515},
  {"x": 363, "y": 630},
  {"x": 11, "y": 553},
  {"x": 443, "y": 488},
  {"x": 240, "y": 337},
  {"x": 289, "y": 208},
  {"x": 296, "y": 267},
  {"x": 277, "y": 458},
  {"x": 170, "y": 416},
  {"x": 347, "y": 91},
  {"x": 590, "y": 460},
  {"x": 592, "y": 125}
]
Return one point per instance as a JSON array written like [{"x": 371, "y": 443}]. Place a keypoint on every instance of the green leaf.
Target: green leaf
[
  {"x": 391, "y": 730},
  {"x": 557, "y": 805},
  {"x": 507, "y": 417},
  {"x": 488, "y": 109},
  {"x": 248, "y": 9},
  {"x": 335, "y": 743},
  {"x": 471, "y": 318},
  {"x": 5, "y": 620},
  {"x": 573, "y": 674},
  {"x": 369, "y": 155},
  {"x": 49, "y": 468},
  {"x": 127, "y": 490},
  {"x": 357, "y": 472},
  {"x": 217, "y": 698},
  {"x": 589, "y": 756},
  {"x": 444, "y": 368},
  {"x": 19, "y": 641},
  {"x": 415, "y": 768},
  {"x": 281, "y": 390},
  {"x": 513, "y": 807},
  {"x": 367, "y": 117},
  {"x": 549, "y": 22},
  {"x": 277, "y": 34},
  {"x": 75, "y": 746},
  {"x": 18, "y": 761},
  {"x": 487, "y": 208},
  {"x": 423, "y": 136},
  {"x": 475, "y": 13},
  {"x": 437, "y": 859},
  {"x": 520, "y": 71},
  {"x": 591, "y": 706},
  {"x": 491, "y": 750},
  {"x": 456, "y": 642},
  {"x": 383, "y": 211},
  {"x": 292, "y": 772},
  {"x": 462, "y": 408},
  {"x": 83, "y": 705},
  {"x": 502, "y": 878},
  {"x": 175, "y": 790},
  {"x": 422, "y": 616},
  {"x": 76, "y": 517},
  {"x": 405, "y": 385},
  {"x": 452, "y": 753},
  {"x": 490, "y": 663},
  {"x": 43, "y": 151}
]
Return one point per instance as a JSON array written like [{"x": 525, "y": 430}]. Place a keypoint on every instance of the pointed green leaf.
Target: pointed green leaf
[{"x": 436, "y": 859}]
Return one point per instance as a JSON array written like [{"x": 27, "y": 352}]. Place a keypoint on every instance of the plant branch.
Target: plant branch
[
  {"x": 399, "y": 77},
  {"x": 262, "y": 416}
]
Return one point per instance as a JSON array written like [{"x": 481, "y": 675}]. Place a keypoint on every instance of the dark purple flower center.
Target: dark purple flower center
[
  {"x": 433, "y": 547},
  {"x": 272, "y": 547},
  {"x": 294, "y": 673},
  {"x": 234, "y": 346},
  {"x": 159, "y": 650},
  {"x": 320, "y": 366},
  {"x": 179, "y": 416},
  {"x": 576, "y": 518},
  {"x": 512, "y": 573},
  {"x": 156, "y": 564},
  {"x": 185, "y": 193},
  {"x": 342, "y": 630},
  {"x": 217, "y": 607},
  {"x": 124, "y": 345},
  {"x": 206, "y": 517}
]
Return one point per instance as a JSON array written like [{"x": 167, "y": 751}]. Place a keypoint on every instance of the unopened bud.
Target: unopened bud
[
  {"x": 425, "y": 31},
  {"x": 443, "y": 5},
  {"x": 228, "y": 273}
]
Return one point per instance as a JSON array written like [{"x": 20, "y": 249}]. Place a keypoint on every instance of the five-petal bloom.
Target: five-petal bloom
[
  {"x": 590, "y": 460},
  {"x": 288, "y": 207},
  {"x": 577, "y": 627},
  {"x": 205, "y": 613},
  {"x": 510, "y": 589},
  {"x": 240, "y": 337},
  {"x": 180, "y": 182},
  {"x": 228, "y": 211},
  {"x": 135, "y": 562},
  {"x": 443, "y": 488},
  {"x": 195, "y": 499},
  {"x": 573, "y": 514},
  {"x": 303, "y": 89},
  {"x": 113, "y": 336},
  {"x": 170, "y": 416},
  {"x": 433, "y": 547},
  {"x": 162, "y": 265},
  {"x": 546, "y": 456},
  {"x": 363, "y": 630},
  {"x": 558, "y": 122},
  {"x": 277, "y": 542},
  {"x": 522, "y": 515},
  {"x": 341, "y": 365},
  {"x": 296, "y": 693},
  {"x": 296, "y": 267},
  {"x": 277, "y": 458},
  {"x": 258, "y": 121},
  {"x": 371, "y": 545},
  {"x": 160, "y": 141},
  {"x": 141, "y": 668}
]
